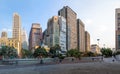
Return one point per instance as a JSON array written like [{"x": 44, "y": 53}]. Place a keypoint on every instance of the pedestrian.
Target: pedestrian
[
  {"x": 41, "y": 60},
  {"x": 113, "y": 60},
  {"x": 72, "y": 59}
]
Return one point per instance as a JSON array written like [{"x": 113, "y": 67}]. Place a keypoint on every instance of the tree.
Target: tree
[
  {"x": 116, "y": 53},
  {"x": 74, "y": 53},
  {"x": 107, "y": 52},
  {"x": 89, "y": 54},
  {"x": 40, "y": 52},
  {"x": 8, "y": 52},
  {"x": 54, "y": 51},
  {"x": 26, "y": 53},
  {"x": 57, "y": 47}
]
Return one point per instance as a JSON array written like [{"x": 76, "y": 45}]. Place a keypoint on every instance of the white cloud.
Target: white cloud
[{"x": 7, "y": 30}]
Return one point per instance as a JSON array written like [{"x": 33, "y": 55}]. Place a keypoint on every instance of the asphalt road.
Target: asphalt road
[{"x": 77, "y": 68}]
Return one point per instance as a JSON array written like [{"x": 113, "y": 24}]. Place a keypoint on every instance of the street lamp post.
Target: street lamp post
[
  {"x": 98, "y": 41},
  {"x": 103, "y": 45}
]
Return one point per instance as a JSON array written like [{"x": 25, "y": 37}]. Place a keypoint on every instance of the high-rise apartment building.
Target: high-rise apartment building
[
  {"x": 117, "y": 29},
  {"x": 62, "y": 29},
  {"x": 17, "y": 31},
  {"x": 71, "y": 26},
  {"x": 87, "y": 41},
  {"x": 55, "y": 34},
  {"x": 35, "y": 36},
  {"x": 80, "y": 35},
  {"x": 24, "y": 39}
]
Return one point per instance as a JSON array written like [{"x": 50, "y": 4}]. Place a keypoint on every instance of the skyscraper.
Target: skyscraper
[
  {"x": 24, "y": 39},
  {"x": 71, "y": 26},
  {"x": 35, "y": 36},
  {"x": 53, "y": 31},
  {"x": 17, "y": 31},
  {"x": 80, "y": 35},
  {"x": 87, "y": 41},
  {"x": 62, "y": 29},
  {"x": 45, "y": 37},
  {"x": 56, "y": 32},
  {"x": 117, "y": 29}
]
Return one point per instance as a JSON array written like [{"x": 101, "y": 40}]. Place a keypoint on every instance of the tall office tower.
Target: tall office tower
[
  {"x": 53, "y": 31},
  {"x": 71, "y": 26},
  {"x": 45, "y": 37},
  {"x": 81, "y": 35},
  {"x": 56, "y": 32},
  {"x": 35, "y": 36},
  {"x": 117, "y": 29},
  {"x": 87, "y": 41},
  {"x": 24, "y": 39},
  {"x": 17, "y": 31}
]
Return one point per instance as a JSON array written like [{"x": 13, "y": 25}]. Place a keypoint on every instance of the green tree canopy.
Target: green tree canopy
[
  {"x": 107, "y": 52},
  {"x": 8, "y": 52},
  {"x": 88, "y": 54},
  {"x": 26, "y": 53},
  {"x": 74, "y": 53},
  {"x": 40, "y": 52},
  {"x": 54, "y": 51}
]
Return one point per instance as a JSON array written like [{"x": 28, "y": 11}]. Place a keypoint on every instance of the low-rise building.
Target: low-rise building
[
  {"x": 5, "y": 41},
  {"x": 95, "y": 49}
]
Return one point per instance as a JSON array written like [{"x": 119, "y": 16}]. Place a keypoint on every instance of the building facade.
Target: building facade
[
  {"x": 35, "y": 36},
  {"x": 53, "y": 31},
  {"x": 45, "y": 34},
  {"x": 71, "y": 26},
  {"x": 117, "y": 29},
  {"x": 17, "y": 31},
  {"x": 95, "y": 49},
  {"x": 24, "y": 39},
  {"x": 80, "y": 35},
  {"x": 55, "y": 34},
  {"x": 87, "y": 41},
  {"x": 5, "y": 41},
  {"x": 62, "y": 29}
]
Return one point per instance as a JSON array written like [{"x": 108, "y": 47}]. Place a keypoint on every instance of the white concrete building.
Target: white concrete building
[{"x": 62, "y": 23}]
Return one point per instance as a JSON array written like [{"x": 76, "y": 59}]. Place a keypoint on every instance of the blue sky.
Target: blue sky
[{"x": 98, "y": 15}]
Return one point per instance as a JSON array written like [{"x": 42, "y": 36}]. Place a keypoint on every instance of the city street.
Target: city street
[{"x": 83, "y": 68}]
